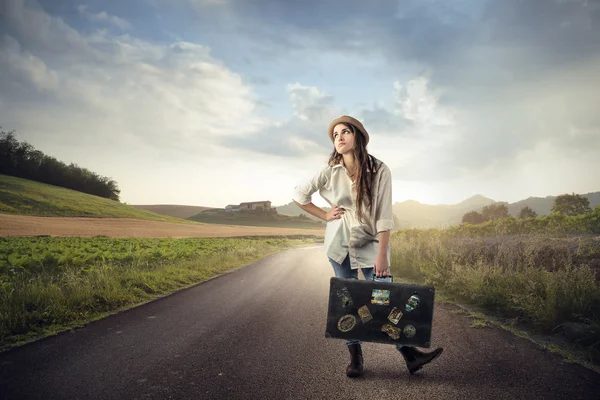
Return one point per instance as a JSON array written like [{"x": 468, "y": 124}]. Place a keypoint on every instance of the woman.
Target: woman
[{"x": 359, "y": 188}]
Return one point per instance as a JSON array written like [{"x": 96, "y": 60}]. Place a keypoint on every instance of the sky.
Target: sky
[{"x": 217, "y": 102}]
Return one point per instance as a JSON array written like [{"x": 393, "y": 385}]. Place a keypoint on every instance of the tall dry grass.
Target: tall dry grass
[{"x": 545, "y": 280}]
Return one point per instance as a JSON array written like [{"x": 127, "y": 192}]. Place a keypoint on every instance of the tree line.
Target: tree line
[
  {"x": 22, "y": 160},
  {"x": 567, "y": 204}
]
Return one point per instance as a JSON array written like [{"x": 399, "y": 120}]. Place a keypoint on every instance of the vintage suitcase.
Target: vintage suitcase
[{"x": 381, "y": 312}]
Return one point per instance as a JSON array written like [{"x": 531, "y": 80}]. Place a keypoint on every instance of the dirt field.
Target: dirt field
[{"x": 22, "y": 225}]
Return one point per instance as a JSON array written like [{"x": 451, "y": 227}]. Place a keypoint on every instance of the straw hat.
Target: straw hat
[{"x": 348, "y": 120}]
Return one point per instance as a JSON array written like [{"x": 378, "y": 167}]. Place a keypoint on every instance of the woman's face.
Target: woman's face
[{"x": 343, "y": 138}]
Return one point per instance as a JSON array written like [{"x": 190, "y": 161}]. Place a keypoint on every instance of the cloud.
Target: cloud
[
  {"x": 308, "y": 102},
  {"x": 150, "y": 115},
  {"x": 419, "y": 104},
  {"x": 495, "y": 72},
  {"x": 414, "y": 115},
  {"x": 386, "y": 121},
  {"x": 23, "y": 69},
  {"x": 201, "y": 3},
  {"x": 510, "y": 80},
  {"x": 174, "y": 97},
  {"x": 103, "y": 17},
  {"x": 303, "y": 134},
  {"x": 448, "y": 90},
  {"x": 45, "y": 35}
]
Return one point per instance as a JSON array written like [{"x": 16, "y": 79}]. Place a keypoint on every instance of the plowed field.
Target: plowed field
[{"x": 22, "y": 225}]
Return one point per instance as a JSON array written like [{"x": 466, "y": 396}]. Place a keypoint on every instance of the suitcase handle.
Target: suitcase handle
[{"x": 389, "y": 276}]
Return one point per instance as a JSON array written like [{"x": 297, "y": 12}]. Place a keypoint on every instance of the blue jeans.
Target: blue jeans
[{"x": 343, "y": 270}]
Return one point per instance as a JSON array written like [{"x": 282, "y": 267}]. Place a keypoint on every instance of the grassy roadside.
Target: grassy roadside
[
  {"x": 534, "y": 285},
  {"x": 74, "y": 282}
]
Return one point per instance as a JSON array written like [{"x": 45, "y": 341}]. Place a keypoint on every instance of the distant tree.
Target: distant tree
[
  {"x": 24, "y": 161},
  {"x": 473, "y": 217},
  {"x": 495, "y": 211},
  {"x": 527, "y": 212},
  {"x": 571, "y": 204},
  {"x": 8, "y": 147}
]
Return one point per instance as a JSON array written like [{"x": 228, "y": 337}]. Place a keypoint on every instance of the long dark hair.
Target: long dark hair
[{"x": 364, "y": 178}]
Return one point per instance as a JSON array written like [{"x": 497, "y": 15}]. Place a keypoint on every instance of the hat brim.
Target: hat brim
[{"x": 345, "y": 119}]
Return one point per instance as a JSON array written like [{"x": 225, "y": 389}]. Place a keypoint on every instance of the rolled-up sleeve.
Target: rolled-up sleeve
[
  {"x": 384, "y": 217},
  {"x": 303, "y": 191}
]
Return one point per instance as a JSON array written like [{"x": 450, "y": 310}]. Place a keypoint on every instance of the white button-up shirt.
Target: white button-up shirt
[{"x": 347, "y": 235}]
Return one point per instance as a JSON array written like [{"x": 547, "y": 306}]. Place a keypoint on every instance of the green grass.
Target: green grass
[
  {"x": 26, "y": 197},
  {"x": 479, "y": 323},
  {"x": 48, "y": 285}
]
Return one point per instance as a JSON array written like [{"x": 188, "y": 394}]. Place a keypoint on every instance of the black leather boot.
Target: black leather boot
[
  {"x": 355, "y": 368},
  {"x": 415, "y": 359}
]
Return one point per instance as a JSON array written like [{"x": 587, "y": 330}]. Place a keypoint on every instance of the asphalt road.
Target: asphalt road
[{"x": 259, "y": 333}]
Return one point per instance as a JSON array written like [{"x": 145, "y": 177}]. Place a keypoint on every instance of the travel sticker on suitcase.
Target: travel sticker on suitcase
[
  {"x": 365, "y": 314},
  {"x": 380, "y": 297},
  {"x": 412, "y": 303},
  {"x": 392, "y": 331},
  {"x": 409, "y": 331},
  {"x": 344, "y": 296},
  {"x": 395, "y": 315},
  {"x": 346, "y": 323}
]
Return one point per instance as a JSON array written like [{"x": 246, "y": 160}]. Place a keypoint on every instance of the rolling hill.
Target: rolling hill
[
  {"x": 26, "y": 197},
  {"x": 413, "y": 214},
  {"x": 173, "y": 210},
  {"x": 543, "y": 205},
  {"x": 20, "y": 196},
  {"x": 256, "y": 218},
  {"x": 292, "y": 209}
]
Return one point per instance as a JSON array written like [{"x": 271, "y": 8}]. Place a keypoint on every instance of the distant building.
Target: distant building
[{"x": 251, "y": 205}]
